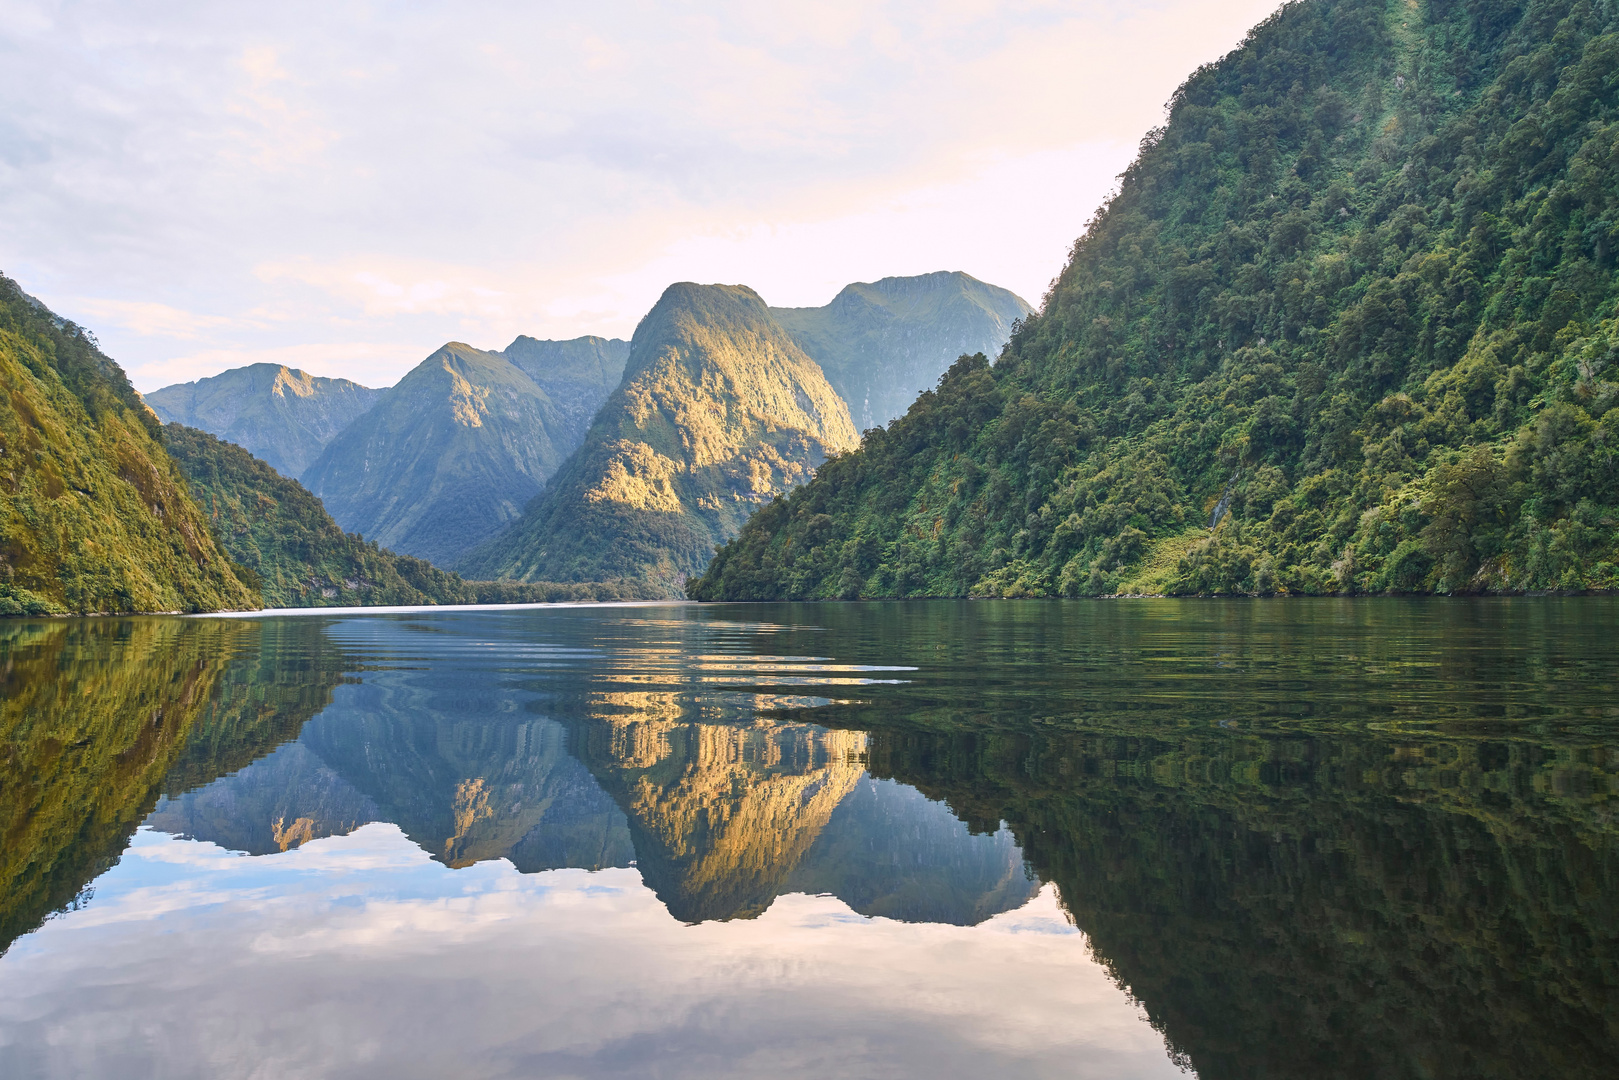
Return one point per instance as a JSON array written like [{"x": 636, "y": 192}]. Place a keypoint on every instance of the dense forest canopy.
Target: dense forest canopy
[
  {"x": 94, "y": 517},
  {"x": 1347, "y": 326}
]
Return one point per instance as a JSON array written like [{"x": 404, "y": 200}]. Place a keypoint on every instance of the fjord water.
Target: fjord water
[{"x": 1130, "y": 838}]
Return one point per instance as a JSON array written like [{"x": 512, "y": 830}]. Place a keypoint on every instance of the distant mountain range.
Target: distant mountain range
[
  {"x": 446, "y": 458},
  {"x": 452, "y": 455},
  {"x": 884, "y": 342},
  {"x": 288, "y": 548},
  {"x": 278, "y": 414},
  {"x": 571, "y": 461},
  {"x": 719, "y": 412}
]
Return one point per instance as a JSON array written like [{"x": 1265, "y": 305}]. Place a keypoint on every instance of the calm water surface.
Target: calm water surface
[{"x": 1119, "y": 839}]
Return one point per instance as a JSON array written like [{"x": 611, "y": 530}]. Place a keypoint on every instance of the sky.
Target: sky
[{"x": 344, "y": 186}]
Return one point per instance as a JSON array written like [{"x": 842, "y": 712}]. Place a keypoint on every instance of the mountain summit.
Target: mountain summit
[
  {"x": 719, "y": 412},
  {"x": 278, "y": 414},
  {"x": 445, "y": 459}
]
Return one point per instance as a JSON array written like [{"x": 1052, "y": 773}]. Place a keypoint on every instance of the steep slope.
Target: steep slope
[
  {"x": 719, "y": 411},
  {"x": 576, "y": 375},
  {"x": 93, "y": 514},
  {"x": 275, "y": 529},
  {"x": 882, "y": 343},
  {"x": 278, "y": 414},
  {"x": 1349, "y": 325},
  {"x": 445, "y": 458}
]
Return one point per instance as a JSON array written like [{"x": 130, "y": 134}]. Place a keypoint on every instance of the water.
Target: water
[{"x": 1109, "y": 839}]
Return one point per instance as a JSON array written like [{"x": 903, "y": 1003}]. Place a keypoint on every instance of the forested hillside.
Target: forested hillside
[
  {"x": 94, "y": 516},
  {"x": 719, "y": 411},
  {"x": 1348, "y": 326},
  {"x": 281, "y": 535}
]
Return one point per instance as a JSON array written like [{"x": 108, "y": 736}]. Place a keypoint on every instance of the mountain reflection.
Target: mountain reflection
[
  {"x": 100, "y": 716},
  {"x": 1292, "y": 875},
  {"x": 720, "y": 818}
]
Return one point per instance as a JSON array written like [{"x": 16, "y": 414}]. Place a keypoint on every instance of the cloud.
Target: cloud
[{"x": 367, "y": 171}]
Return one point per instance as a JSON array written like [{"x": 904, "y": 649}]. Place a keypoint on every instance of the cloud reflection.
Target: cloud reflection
[{"x": 359, "y": 956}]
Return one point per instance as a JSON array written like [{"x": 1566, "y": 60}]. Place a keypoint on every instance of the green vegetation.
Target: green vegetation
[
  {"x": 882, "y": 343},
  {"x": 299, "y": 557},
  {"x": 718, "y": 412},
  {"x": 1287, "y": 907},
  {"x": 446, "y": 458},
  {"x": 279, "y": 414},
  {"x": 94, "y": 516},
  {"x": 1318, "y": 839},
  {"x": 97, "y": 717},
  {"x": 1354, "y": 304}
]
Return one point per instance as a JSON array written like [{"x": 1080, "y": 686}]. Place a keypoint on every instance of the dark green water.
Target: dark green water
[{"x": 1146, "y": 838}]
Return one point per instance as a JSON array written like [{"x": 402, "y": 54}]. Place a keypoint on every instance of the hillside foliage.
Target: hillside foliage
[
  {"x": 1347, "y": 326},
  {"x": 94, "y": 516},
  {"x": 298, "y": 556}
]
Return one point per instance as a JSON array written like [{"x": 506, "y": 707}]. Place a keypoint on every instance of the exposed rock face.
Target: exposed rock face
[
  {"x": 577, "y": 375},
  {"x": 882, "y": 343},
  {"x": 446, "y": 458},
  {"x": 280, "y": 415},
  {"x": 718, "y": 413}
]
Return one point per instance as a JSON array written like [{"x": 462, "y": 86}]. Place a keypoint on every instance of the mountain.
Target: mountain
[
  {"x": 93, "y": 514},
  {"x": 446, "y": 458},
  {"x": 882, "y": 343},
  {"x": 576, "y": 375},
  {"x": 719, "y": 411},
  {"x": 279, "y": 414},
  {"x": 275, "y": 529},
  {"x": 1348, "y": 326}
]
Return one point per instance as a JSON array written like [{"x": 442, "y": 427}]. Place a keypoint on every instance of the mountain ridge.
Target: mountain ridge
[
  {"x": 577, "y": 375},
  {"x": 281, "y": 415},
  {"x": 445, "y": 459}
]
